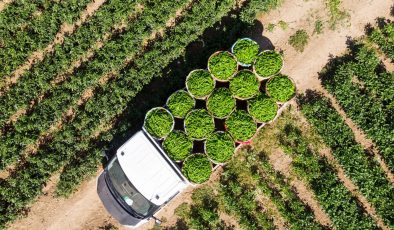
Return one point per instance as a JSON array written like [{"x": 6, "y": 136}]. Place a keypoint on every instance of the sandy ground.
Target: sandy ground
[
  {"x": 76, "y": 212},
  {"x": 84, "y": 210},
  {"x": 4, "y": 3}
]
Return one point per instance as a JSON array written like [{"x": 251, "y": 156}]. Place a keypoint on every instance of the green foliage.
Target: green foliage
[
  {"x": 268, "y": 63},
  {"x": 244, "y": 85},
  {"x": 221, "y": 103},
  {"x": 203, "y": 212},
  {"x": 73, "y": 176},
  {"x": 245, "y": 50},
  {"x": 342, "y": 207},
  {"x": 336, "y": 14},
  {"x": 254, "y": 7},
  {"x": 318, "y": 27},
  {"x": 220, "y": 147},
  {"x": 239, "y": 199},
  {"x": 388, "y": 29},
  {"x": 281, "y": 88},
  {"x": 37, "y": 81},
  {"x": 180, "y": 103},
  {"x": 200, "y": 83},
  {"x": 274, "y": 185},
  {"x": 197, "y": 168},
  {"x": 182, "y": 210},
  {"x": 61, "y": 98},
  {"x": 19, "y": 42},
  {"x": 199, "y": 124},
  {"x": 77, "y": 138},
  {"x": 241, "y": 125},
  {"x": 262, "y": 108},
  {"x": 369, "y": 100},
  {"x": 365, "y": 172},
  {"x": 299, "y": 40},
  {"x": 222, "y": 65},
  {"x": 105, "y": 106},
  {"x": 159, "y": 122},
  {"x": 384, "y": 38},
  {"x": 271, "y": 27},
  {"x": 283, "y": 25},
  {"x": 178, "y": 145}
]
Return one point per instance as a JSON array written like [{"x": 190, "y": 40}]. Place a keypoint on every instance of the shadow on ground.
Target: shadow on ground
[{"x": 219, "y": 37}]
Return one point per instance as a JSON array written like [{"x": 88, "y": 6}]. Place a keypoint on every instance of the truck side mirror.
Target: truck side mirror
[
  {"x": 157, "y": 221},
  {"x": 104, "y": 154}
]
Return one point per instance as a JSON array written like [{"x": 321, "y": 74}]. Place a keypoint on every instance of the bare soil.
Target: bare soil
[
  {"x": 271, "y": 210},
  {"x": 83, "y": 210},
  {"x": 4, "y": 3}
]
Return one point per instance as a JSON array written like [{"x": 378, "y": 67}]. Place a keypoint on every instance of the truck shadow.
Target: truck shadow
[{"x": 219, "y": 37}]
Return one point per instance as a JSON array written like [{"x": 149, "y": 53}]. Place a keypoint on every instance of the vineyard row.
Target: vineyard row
[
  {"x": 36, "y": 31},
  {"x": 50, "y": 110},
  {"x": 359, "y": 166},
  {"x": 25, "y": 185}
]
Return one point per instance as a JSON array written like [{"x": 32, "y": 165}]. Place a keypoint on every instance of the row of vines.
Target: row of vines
[
  {"x": 359, "y": 166},
  {"x": 37, "y": 81},
  {"x": 251, "y": 175},
  {"x": 59, "y": 99},
  {"x": 343, "y": 208},
  {"x": 109, "y": 101},
  {"x": 130, "y": 58},
  {"x": 34, "y": 29},
  {"x": 274, "y": 185},
  {"x": 383, "y": 37},
  {"x": 105, "y": 106},
  {"x": 364, "y": 90}
]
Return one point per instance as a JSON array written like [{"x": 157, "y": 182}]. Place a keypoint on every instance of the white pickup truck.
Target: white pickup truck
[{"x": 139, "y": 180}]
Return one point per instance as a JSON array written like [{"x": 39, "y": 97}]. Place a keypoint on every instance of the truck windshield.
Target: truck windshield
[{"x": 127, "y": 191}]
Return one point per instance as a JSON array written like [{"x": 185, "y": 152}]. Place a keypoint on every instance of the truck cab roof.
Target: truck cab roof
[{"x": 149, "y": 169}]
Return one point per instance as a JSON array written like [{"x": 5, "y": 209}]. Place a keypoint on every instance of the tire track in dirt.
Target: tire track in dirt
[
  {"x": 52, "y": 212},
  {"x": 65, "y": 30}
]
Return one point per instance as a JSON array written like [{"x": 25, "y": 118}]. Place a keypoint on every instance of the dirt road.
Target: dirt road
[{"x": 84, "y": 210}]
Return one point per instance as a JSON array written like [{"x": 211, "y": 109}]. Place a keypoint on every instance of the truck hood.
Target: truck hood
[{"x": 149, "y": 169}]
